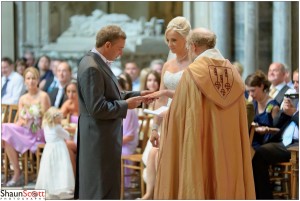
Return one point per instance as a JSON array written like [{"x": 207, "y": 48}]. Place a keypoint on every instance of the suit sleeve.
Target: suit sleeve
[
  {"x": 281, "y": 119},
  {"x": 92, "y": 88},
  {"x": 128, "y": 94}
]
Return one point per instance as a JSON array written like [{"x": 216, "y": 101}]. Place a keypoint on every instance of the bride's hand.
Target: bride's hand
[
  {"x": 156, "y": 94},
  {"x": 146, "y": 92},
  {"x": 154, "y": 138}
]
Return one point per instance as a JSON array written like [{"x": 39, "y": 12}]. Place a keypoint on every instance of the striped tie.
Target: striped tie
[{"x": 272, "y": 92}]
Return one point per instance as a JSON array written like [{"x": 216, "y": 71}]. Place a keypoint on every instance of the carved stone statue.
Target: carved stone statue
[{"x": 144, "y": 39}]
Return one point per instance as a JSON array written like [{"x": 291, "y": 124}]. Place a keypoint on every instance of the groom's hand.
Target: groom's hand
[{"x": 134, "y": 102}]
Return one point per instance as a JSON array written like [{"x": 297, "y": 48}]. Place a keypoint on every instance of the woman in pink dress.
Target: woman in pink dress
[
  {"x": 70, "y": 107},
  {"x": 26, "y": 133}
]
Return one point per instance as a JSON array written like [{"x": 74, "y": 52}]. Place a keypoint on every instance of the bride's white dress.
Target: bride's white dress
[
  {"x": 56, "y": 174},
  {"x": 171, "y": 81}
]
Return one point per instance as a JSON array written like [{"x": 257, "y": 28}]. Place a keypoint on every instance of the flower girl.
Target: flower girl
[{"x": 56, "y": 173}]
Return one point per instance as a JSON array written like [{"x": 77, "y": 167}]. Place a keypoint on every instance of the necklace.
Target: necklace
[{"x": 179, "y": 60}]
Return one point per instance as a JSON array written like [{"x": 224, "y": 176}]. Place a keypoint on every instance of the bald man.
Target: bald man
[
  {"x": 204, "y": 148},
  {"x": 277, "y": 75}
]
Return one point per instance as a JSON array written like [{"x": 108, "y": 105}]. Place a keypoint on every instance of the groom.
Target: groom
[{"x": 102, "y": 107}]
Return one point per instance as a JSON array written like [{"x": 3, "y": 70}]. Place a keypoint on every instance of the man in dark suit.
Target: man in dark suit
[
  {"x": 57, "y": 95},
  {"x": 52, "y": 83},
  {"x": 276, "y": 149},
  {"x": 102, "y": 107}
]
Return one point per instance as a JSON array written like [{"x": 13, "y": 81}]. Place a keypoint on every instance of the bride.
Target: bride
[{"x": 175, "y": 37}]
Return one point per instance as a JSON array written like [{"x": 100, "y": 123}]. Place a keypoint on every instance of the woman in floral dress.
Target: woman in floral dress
[{"x": 26, "y": 133}]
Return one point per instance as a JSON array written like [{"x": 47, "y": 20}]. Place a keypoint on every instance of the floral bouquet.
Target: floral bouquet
[{"x": 32, "y": 115}]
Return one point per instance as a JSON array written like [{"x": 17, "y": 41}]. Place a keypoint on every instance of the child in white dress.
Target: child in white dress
[{"x": 56, "y": 173}]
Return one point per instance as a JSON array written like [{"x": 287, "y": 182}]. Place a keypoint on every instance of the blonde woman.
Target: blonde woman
[
  {"x": 175, "y": 37},
  {"x": 26, "y": 134}
]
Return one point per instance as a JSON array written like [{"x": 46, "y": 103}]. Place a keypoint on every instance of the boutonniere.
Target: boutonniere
[{"x": 269, "y": 108}]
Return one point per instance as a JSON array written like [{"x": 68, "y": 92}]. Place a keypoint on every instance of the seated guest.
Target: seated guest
[
  {"x": 265, "y": 107},
  {"x": 239, "y": 67},
  {"x": 128, "y": 80},
  {"x": 30, "y": 59},
  {"x": 50, "y": 84},
  {"x": 152, "y": 83},
  {"x": 26, "y": 134},
  {"x": 277, "y": 75},
  {"x": 12, "y": 82},
  {"x": 130, "y": 127},
  {"x": 157, "y": 65},
  {"x": 71, "y": 108},
  {"x": 21, "y": 66},
  {"x": 45, "y": 72},
  {"x": 133, "y": 70},
  {"x": 130, "y": 132},
  {"x": 275, "y": 150},
  {"x": 64, "y": 75}
]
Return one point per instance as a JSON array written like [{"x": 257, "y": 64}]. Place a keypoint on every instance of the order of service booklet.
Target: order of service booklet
[{"x": 157, "y": 111}]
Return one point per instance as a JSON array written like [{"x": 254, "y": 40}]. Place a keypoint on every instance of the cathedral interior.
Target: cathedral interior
[{"x": 252, "y": 33}]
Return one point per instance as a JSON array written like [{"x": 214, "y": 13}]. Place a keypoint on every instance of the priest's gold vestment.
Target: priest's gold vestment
[{"x": 204, "y": 148}]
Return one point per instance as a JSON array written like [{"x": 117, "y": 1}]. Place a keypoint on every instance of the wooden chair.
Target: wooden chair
[
  {"x": 4, "y": 113},
  {"x": 39, "y": 152},
  {"x": 135, "y": 160},
  {"x": 11, "y": 118},
  {"x": 295, "y": 172},
  {"x": 4, "y": 159},
  {"x": 280, "y": 173},
  {"x": 13, "y": 114},
  {"x": 143, "y": 132}
]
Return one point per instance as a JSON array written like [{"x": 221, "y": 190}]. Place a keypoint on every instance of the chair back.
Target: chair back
[
  {"x": 4, "y": 113},
  {"x": 143, "y": 132},
  {"x": 13, "y": 114}
]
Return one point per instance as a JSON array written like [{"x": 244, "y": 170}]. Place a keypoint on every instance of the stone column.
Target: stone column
[
  {"x": 239, "y": 32},
  {"x": 220, "y": 13},
  {"x": 8, "y": 30},
  {"x": 45, "y": 25},
  {"x": 251, "y": 37},
  {"x": 197, "y": 13},
  {"x": 188, "y": 11},
  {"x": 282, "y": 33},
  {"x": 20, "y": 26}
]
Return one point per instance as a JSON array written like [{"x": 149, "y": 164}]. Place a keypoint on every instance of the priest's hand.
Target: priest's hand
[{"x": 154, "y": 138}]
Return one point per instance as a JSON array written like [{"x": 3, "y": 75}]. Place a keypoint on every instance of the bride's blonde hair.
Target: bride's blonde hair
[
  {"x": 49, "y": 117},
  {"x": 179, "y": 24}
]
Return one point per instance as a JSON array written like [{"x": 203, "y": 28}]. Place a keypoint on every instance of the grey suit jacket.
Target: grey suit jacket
[
  {"x": 279, "y": 97},
  {"x": 102, "y": 109}
]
